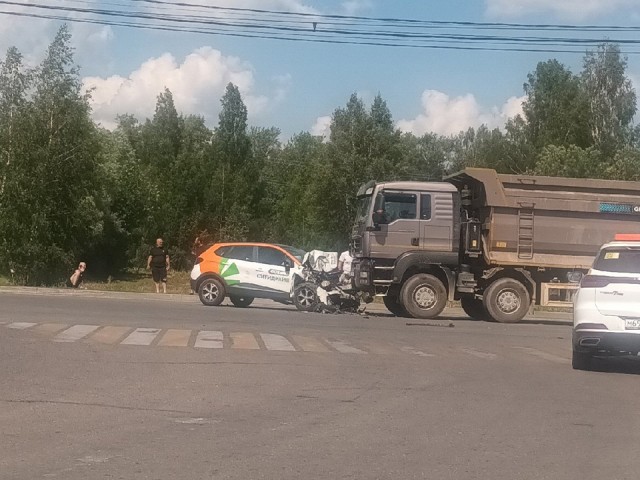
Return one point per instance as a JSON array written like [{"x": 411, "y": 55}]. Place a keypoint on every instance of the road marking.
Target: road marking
[
  {"x": 479, "y": 354},
  {"x": 175, "y": 338},
  {"x": 309, "y": 344},
  {"x": 244, "y": 341},
  {"x": 419, "y": 353},
  {"x": 50, "y": 328},
  {"x": 21, "y": 325},
  {"x": 277, "y": 342},
  {"x": 344, "y": 347},
  {"x": 209, "y": 339},
  {"x": 141, "y": 336},
  {"x": 75, "y": 333},
  {"x": 109, "y": 335},
  {"x": 543, "y": 355}
]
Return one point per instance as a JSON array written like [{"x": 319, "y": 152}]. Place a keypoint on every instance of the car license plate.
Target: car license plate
[{"x": 632, "y": 324}]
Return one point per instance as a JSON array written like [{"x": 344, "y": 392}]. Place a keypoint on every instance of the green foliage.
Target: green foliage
[{"x": 70, "y": 191}]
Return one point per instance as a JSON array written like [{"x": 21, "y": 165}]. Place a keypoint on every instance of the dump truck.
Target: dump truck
[{"x": 492, "y": 241}]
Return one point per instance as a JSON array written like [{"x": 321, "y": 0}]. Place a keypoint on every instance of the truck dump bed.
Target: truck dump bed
[{"x": 549, "y": 222}]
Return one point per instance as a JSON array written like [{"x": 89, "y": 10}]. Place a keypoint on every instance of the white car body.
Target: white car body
[{"x": 606, "y": 315}]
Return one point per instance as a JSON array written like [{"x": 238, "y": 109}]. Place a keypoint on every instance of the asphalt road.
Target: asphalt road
[{"x": 138, "y": 388}]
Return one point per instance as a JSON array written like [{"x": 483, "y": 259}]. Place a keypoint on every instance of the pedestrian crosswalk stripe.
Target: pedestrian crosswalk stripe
[
  {"x": 175, "y": 338},
  {"x": 74, "y": 333},
  {"x": 109, "y": 335},
  {"x": 209, "y": 339},
  {"x": 310, "y": 344},
  {"x": 245, "y": 341},
  {"x": 21, "y": 325},
  {"x": 49, "y": 328},
  {"x": 344, "y": 347},
  {"x": 277, "y": 342},
  {"x": 141, "y": 336}
]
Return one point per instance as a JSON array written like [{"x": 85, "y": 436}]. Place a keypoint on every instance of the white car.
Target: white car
[{"x": 606, "y": 315}]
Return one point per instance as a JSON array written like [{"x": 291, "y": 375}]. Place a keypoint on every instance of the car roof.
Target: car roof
[
  {"x": 620, "y": 245},
  {"x": 215, "y": 246}
]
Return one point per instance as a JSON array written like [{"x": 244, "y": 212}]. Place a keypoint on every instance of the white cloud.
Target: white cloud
[
  {"x": 354, "y": 7},
  {"x": 197, "y": 85},
  {"x": 573, "y": 9},
  {"x": 447, "y": 115},
  {"x": 322, "y": 127}
]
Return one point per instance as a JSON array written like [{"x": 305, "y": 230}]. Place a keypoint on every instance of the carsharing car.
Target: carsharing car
[
  {"x": 606, "y": 315},
  {"x": 245, "y": 271}
]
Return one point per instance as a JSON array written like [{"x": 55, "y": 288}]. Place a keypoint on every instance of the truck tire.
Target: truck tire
[
  {"x": 392, "y": 302},
  {"x": 423, "y": 296},
  {"x": 474, "y": 308},
  {"x": 211, "y": 292},
  {"x": 241, "y": 302},
  {"x": 507, "y": 300},
  {"x": 305, "y": 297}
]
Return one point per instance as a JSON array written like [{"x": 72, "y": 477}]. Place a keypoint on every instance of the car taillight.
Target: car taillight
[
  {"x": 199, "y": 260},
  {"x": 594, "y": 281}
]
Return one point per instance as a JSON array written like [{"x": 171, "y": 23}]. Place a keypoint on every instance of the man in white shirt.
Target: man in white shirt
[{"x": 344, "y": 265}]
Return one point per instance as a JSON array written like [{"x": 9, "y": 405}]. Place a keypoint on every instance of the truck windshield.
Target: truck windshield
[{"x": 363, "y": 209}]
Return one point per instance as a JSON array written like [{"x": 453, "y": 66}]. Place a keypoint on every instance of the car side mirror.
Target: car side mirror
[{"x": 288, "y": 265}]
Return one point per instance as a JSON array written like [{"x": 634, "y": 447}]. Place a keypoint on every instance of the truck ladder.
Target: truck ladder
[{"x": 525, "y": 232}]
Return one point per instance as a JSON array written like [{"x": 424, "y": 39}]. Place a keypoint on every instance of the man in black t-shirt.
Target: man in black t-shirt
[{"x": 159, "y": 264}]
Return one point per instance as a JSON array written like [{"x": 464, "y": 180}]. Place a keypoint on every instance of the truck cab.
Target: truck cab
[{"x": 404, "y": 228}]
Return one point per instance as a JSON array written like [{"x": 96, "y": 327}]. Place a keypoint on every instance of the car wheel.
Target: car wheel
[
  {"x": 423, "y": 296},
  {"x": 474, "y": 308},
  {"x": 305, "y": 297},
  {"x": 507, "y": 300},
  {"x": 211, "y": 292},
  {"x": 241, "y": 302},
  {"x": 392, "y": 302},
  {"x": 581, "y": 361}
]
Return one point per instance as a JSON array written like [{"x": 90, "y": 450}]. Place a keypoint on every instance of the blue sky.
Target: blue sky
[{"x": 296, "y": 86}]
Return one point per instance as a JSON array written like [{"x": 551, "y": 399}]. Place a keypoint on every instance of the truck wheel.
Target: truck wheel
[
  {"x": 507, "y": 300},
  {"x": 581, "y": 361},
  {"x": 211, "y": 292},
  {"x": 241, "y": 302},
  {"x": 474, "y": 308},
  {"x": 393, "y": 305},
  {"x": 423, "y": 296},
  {"x": 305, "y": 297}
]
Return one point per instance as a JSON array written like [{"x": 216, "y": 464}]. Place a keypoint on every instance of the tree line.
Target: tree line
[{"x": 71, "y": 190}]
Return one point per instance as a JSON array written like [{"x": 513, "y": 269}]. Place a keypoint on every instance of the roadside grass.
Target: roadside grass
[
  {"x": 4, "y": 281},
  {"x": 141, "y": 282}
]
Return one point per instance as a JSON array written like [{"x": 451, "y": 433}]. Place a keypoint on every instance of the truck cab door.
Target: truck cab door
[
  {"x": 436, "y": 222},
  {"x": 399, "y": 232}
]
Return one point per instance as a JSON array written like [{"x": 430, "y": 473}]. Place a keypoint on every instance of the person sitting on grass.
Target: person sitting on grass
[{"x": 75, "y": 280}]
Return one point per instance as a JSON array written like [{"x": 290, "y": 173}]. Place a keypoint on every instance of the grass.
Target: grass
[
  {"x": 4, "y": 281},
  {"x": 139, "y": 282}
]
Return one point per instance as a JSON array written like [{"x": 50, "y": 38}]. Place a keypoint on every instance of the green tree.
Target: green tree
[
  {"x": 611, "y": 98},
  {"x": 556, "y": 107},
  {"x": 54, "y": 213},
  {"x": 571, "y": 161}
]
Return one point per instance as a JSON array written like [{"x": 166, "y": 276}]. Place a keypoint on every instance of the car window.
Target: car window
[
  {"x": 618, "y": 260},
  {"x": 296, "y": 252},
  {"x": 271, "y": 256},
  {"x": 223, "y": 251},
  {"x": 241, "y": 252}
]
